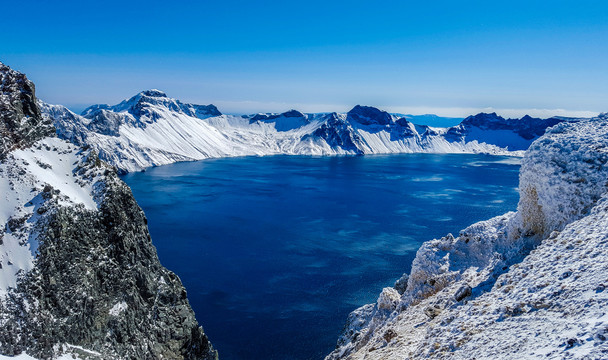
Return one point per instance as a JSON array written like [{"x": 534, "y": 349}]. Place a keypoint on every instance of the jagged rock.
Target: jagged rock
[
  {"x": 432, "y": 311},
  {"x": 265, "y": 117},
  {"x": 21, "y": 123},
  {"x": 401, "y": 283},
  {"x": 389, "y": 335},
  {"x": 388, "y": 299},
  {"x": 339, "y": 133},
  {"x": 463, "y": 292},
  {"x": 527, "y": 127}
]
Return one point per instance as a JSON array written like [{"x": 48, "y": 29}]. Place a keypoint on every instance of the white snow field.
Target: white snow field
[
  {"x": 529, "y": 284},
  {"x": 49, "y": 165}
]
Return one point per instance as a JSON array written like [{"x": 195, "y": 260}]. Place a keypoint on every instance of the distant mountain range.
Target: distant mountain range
[{"x": 151, "y": 129}]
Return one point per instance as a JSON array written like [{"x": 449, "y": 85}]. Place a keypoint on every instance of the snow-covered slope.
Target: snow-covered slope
[
  {"x": 151, "y": 129},
  {"x": 529, "y": 284},
  {"x": 79, "y": 276},
  {"x": 27, "y": 178}
]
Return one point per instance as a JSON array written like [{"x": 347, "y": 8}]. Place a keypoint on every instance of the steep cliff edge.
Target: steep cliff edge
[
  {"x": 22, "y": 122},
  {"x": 78, "y": 271},
  {"x": 528, "y": 284}
]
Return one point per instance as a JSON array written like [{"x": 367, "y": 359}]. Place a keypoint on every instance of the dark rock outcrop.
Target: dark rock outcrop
[
  {"x": 97, "y": 287},
  {"x": 527, "y": 127},
  {"x": 98, "y": 284},
  {"x": 268, "y": 117},
  {"x": 367, "y": 115},
  {"x": 339, "y": 133},
  {"x": 20, "y": 121}
]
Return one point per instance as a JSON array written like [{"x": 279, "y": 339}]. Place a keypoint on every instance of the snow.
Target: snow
[
  {"x": 529, "y": 284},
  {"x": 50, "y": 163},
  {"x": 501, "y": 138},
  {"x": 118, "y": 308},
  {"x": 24, "y": 356},
  {"x": 69, "y": 355},
  {"x": 56, "y": 168},
  {"x": 151, "y": 129}
]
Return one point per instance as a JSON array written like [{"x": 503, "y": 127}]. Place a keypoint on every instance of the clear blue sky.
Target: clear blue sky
[{"x": 447, "y": 57}]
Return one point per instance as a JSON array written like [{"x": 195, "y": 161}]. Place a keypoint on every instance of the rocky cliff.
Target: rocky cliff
[
  {"x": 78, "y": 271},
  {"x": 21, "y": 123},
  {"x": 528, "y": 284}
]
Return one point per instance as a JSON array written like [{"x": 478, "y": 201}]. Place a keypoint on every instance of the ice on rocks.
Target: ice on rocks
[
  {"x": 388, "y": 299},
  {"x": 530, "y": 284}
]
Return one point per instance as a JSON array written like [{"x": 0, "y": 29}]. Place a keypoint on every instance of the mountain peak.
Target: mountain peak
[
  {"x": 368, "y": 115},
  {"x": 483, "y": 119},
  {"x": 292, "y": 113},
  {"x": 153, "y": 93},
  {"x": 273, "y": 116},
  {"x": 527, "y": 118}
]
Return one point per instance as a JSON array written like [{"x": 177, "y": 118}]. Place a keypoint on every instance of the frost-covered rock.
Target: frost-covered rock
[
  {"x": 78, "y": 272},
  {"x": 388, "y": 299},
  {"x": 563, "y": 175},
  {"x": 530, "y": 284}
]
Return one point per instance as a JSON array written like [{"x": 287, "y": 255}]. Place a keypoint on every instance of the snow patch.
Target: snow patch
[
  {"x": 48, "y": 169},
  {"x": 118, "y": 308}
]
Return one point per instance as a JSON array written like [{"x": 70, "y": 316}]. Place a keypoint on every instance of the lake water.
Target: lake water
[{"x": 276, "y": 251}]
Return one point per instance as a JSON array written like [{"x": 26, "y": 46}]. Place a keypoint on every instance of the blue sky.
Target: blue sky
[{"x": 447, "y": 57}]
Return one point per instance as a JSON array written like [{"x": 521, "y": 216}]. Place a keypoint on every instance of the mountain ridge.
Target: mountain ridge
[{"x": 151, "y": 129}]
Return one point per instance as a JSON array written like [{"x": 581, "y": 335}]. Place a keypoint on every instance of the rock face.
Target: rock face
[
  {"x": 151, "y": 129},
  {"x": 527, "y": 284},
  {"x": 78, "y": 271},
  {"x": 21, "y": 123},
  {"x": 338, "y": 133},
  {"x": 527, "y": 127}
]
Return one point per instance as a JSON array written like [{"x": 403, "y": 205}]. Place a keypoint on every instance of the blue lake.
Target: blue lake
[{"x": 276, "y": 251}]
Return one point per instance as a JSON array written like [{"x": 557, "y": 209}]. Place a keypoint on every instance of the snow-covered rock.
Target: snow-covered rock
[
  {"x": 529, "y": 284},
  {"x": 79, "y": 276},
  {"x": 151, "y": 129}
]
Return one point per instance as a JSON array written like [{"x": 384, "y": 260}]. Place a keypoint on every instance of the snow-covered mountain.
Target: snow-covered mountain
[
  {"x": 79, "y": 275},
  {"x": 529, "y": 284},
  {"x": 152, "y": 129}
]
